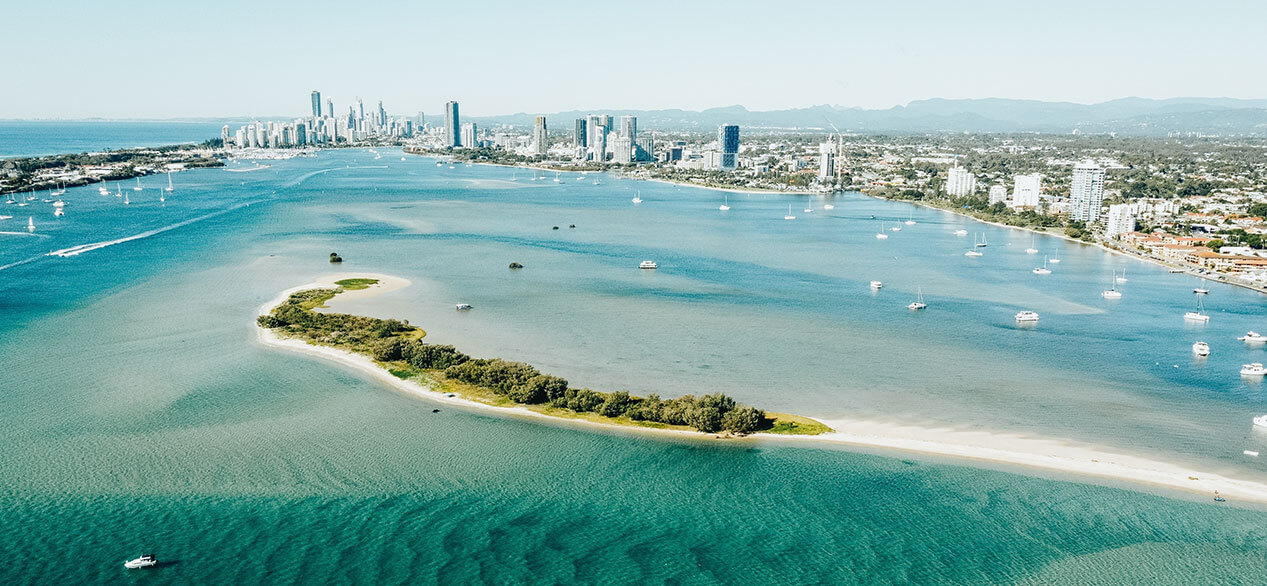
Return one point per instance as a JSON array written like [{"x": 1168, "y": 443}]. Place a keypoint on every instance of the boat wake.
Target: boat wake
[{"x": 82, "y": 248}]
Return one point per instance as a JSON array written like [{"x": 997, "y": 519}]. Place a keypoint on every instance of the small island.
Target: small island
[{"x": 397, "y": 347}]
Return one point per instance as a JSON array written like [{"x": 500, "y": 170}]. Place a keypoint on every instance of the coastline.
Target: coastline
[{"x": 1012, "y": 450}]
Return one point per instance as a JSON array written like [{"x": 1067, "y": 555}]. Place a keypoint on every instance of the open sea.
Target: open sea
[
  {"x": 33, "y": 138},
  {"x": 138, "y": 413}
]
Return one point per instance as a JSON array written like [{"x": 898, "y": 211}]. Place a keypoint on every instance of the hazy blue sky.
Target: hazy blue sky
[{"x": 233, "y": 58}]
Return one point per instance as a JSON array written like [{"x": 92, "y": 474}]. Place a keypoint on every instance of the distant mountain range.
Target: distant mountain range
[{"x": 1129, "y": 116}]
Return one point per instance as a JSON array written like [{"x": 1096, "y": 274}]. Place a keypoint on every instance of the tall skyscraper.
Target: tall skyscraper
[
  {"x": 960, "y": 183},
  {"x": 1025, "y": 192},
  {"x": 452, "y": 125},
  {"x": 827, "y": 160},
  {"x": 644, "y": 150},
  {"x": 629, "y": 128},
  {"x": 598, "y": 145},
  {"x": 540, "y": 140},
  {"x": 468, "y": 136},
  {"x": 1086, "y": 192},
  {"x": 579, "y": 138},
  {"x": 329, "y": 108},
  {"x": 728, "y": 144},
  {"x": 316, "y": 104}
]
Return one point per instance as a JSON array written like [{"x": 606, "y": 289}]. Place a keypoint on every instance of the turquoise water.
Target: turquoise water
[
  {"x": 27, "y": 138},
  {"x": 139, "y": 413}
]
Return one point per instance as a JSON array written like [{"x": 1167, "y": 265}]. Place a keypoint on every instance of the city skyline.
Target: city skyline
[{"x": 851, "y": 55}]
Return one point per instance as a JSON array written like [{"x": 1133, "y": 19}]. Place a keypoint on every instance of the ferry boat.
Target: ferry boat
[
  {"x": 145, "y": 561},
  {"x": 876, "y": 284},
  {"x": 1027, "y": 316},
  {"x": 1255, "y": 369},
  {"x": 1253, "y": 338},
  {"x": 1201, "y": 349},
  {"x": 464, "y": 307},
  {"x": 648, "y": 264}
]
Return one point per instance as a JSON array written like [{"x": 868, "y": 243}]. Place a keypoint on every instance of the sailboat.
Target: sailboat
[
  {"x": 881, "y": 235},
  {"x": 828, "y": 206},
  {"x": 125, "y": 200},
  {"x": 1055, "y": 260},
  {"x": 1122, "y": 277},
  {"x": 30, "y": 224},
  {"x": 1031, "y": 249},
  {"x": 1199, "y": 290},
  {"x": 138, "y": 185},
  {"x": 1197, "y": 316},
  {"x": 1111, "y": 292},
  {"x": 919, "y": 301},
  {"x": 169, "y": 183},
  {"x": 808, "y": 208},
  {"x": 910, "y": 220},
  {"x": 102, "y": 190},
  {"x": 514, "y": 176},
  {"x": 789, "y": 215},
  {"x": 1043, "y": 270},
  {"x": 637, "y": 198},
  {"x": 725, "y": 207},
  {"x": 982, "y": 243}
]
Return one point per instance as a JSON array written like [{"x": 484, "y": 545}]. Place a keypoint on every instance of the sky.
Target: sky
[{"x": 231, "y": 58}]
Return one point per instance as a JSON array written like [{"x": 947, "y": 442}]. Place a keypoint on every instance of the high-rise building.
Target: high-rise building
[
  {"x": 329, "y": 108},
  {"x": 998, "y": 193},
  {"x": 622, "y": 150},
  {"x": 728, "y": 144},
  {"x": 598, "y": 145},
  {"x": 316, "y": 104},
  {"x": 579, "y": 137},
  {"x": 468, "y": 135},
  {"x": 629, "y": 128},
  {"x": 1025, "y": 191},
  {"x": 1121, "y": 219},
  {"x": 827, "y": 160},
  {"x": 644, "y": 150},
  {"x": 540, "y": 139},
  {"x": 1086, "y": 192},
  {"x": 960, "y": 183},
  {"x": 224, "y": 135},
  {"x": 452, "y": 125}
]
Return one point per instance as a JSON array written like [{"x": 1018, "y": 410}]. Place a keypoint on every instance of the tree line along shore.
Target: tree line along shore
[{"x": 398, "y": 347}]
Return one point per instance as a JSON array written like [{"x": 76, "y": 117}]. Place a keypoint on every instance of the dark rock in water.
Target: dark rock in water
[
  {"x": 435, "y": 410},
  {"x": 571, "y": 225},
  {"x": 515, "y": 265},
  {"x": 334, "y": 257}
]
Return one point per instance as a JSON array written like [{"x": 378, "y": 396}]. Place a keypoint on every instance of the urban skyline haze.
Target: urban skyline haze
[{"x": 234, "y": 58}]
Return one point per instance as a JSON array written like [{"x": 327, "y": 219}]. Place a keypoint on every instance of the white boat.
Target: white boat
[
  {"x": 1026, "y": 316},
  {"x": 1054, "y": 260},
  {"x": 402, "y": 159},
  {"x": 909, "y": 221},
  {"x": 982, "y": 243},
  {"x": 961, "y": 232},
  {"x": 973, "y": 253},
  {"x": 463, "y": 307},
  {"x": 637, "y": 198},
  {"x": 138, "y": 185},
  {"x": 919, "y": 301},
  {"x": 125, "y": 200},
  {"x": 59, "y": 203},
  {"x": 1250, "y": 453},
  {"x": 1201, "y": 349},
  {"x": 1255, "y": 369},
  {"x": 1031, "y": 249},
  {"x": 1122, "y": 277},
  {"x": 1043, "y": 270},
  {"x": 1200, "y": 290},
  {"x": 895, "y": 229},
  {"x": 6, "y": 217},
  {"x": 118, "y": 190},
  {"x": 1253, "y": 338},
  {"x": 556, "y": 178},
  {"x": 1197, "y": 315},
  {"x": 725, "y": 207},
  {"x": 1111, "y": 292},
  {"x": 30, "y": 224},
  {"x": 102, "y": 190},
  {"x": 829, "y": 206},
  {"x": 876, "y": 285},
  {"x": 809, "y": 208},
  {"x": 1261, "y": 421},
  {"x": 169, "y": 187},
  {"x": 789, "y": 215},
  {"x": 439, "y": 164},
  {"x": 648, "y": 264},
  {"x": 144, "y": 561},
  {"x": 59, "y": 212}
]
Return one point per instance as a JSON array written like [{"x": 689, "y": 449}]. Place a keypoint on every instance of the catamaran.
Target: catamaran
[
  {"x": 637, "y": 198},
  {"x": 919, "y": 301},
  {"x": 982, "y": 243},
  {"x": 1197, "y": 315},
  {"x": 1112, "y": 292}
]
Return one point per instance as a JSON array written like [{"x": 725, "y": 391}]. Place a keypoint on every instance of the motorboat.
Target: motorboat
[
  {"x": 1027, "y": 316},
  {"x": 828, "y": 206},
  {"x": 59, "y": 212},
  {"x": 961, "y": 232},
  {"x": 1261, "y": 421},
  {"x": 464, "y": 307},
  {"x": 146, "y": 561},
  {"x": 973, "y": 253},
  {"x": 1255, "y": 369},
  {"x": 1200, "y": 291},
  {"x": 1253, "y": 338},
  {"x": 648, "y": 264},
  {"x": 1201, "y": 349},
  {"x": 876, "y": 284}
]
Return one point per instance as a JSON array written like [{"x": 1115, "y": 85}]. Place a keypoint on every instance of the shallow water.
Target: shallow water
[{"x": 139, "y": 413}]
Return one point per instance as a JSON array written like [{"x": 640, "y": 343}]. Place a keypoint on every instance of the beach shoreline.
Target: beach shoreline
[{"x": 1023, "y": 453}]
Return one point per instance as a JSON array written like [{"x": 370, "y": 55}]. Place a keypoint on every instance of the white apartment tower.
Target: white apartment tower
[
  {"x": 1121, "y": 219},
  {"x": 960, "y": 182},
  {"x": 1086, "y": 193},
  {"x": 1025, "y": 191},
  {"x": 998, "y": 193},
  {"x": 827, "y": 160}
]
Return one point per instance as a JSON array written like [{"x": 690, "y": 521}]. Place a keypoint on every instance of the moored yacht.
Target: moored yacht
[
  {"x": 789, "y": 215},
  {"x": 919, "y": 302},
  {"x": 144, "y": 561},
  {"x": 464, "y": 307},
  {"x": 1255, "y": 369},
  {"x": 1197, "y": 316},
  {"x": 1201, "y": 349},
  {"x": 1111, "y": 292},
  {"x": 725, "y": 206},
  {"x": 138, "y": 185},
  {"x": 960, "y": 232},
  {"x": 973, "y": 253},
  {"x": 648, "y": 264},
  {"x": 1026, "y": 316},
  {"x": 876, "y": 284},
  {"x": 1253, "y": 338},
  {"x": 1261, "y": 421},
  {"x": 1043, "y": 270},
  {"x": 637, "y": 198}
]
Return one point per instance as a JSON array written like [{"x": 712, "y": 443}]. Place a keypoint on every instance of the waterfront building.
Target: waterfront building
[
  {"x": 316, "y": 104},
  {"x": 826, "y": 160},
  {"x": 1086, "y": 192},
  {"x": 644, "y": 149},
  {"x": 224, "y": 135},
  {"x": 629, "y": 128},
  {"x": 728, "y": 144},
  {"x": 540, "y": 139},
  {"x": 452, "y": 125},
  {"x": 622, "y": 149},
  {"x": 961, "y": 183},
  {"x": 1121, "y": 220},
  {"x": 1025, "y": 191},
  {"x": 595, "y": 127},
  {"x": 579, "y": 138},
  {"x": 468, "y": 135},
  {"x": 998, "y": 194},
  {"x": 598, "y": 145}
]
